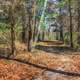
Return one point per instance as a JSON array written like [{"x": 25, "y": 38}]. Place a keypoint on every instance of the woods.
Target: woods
[{"x": 36, "y": 34}]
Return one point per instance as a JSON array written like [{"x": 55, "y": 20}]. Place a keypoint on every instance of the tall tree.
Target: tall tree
[
  {"x": 11, "y": 16},
  {"x": 24, "y": 22},
  {"x": 71, "y": 28},
  {"x": 61, "y": 23},
  {"x": 29, "y": 12},
  {"x": 78, "y": 9}
]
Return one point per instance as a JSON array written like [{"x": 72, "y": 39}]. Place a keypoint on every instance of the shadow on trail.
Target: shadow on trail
[
  {"x": 54, "y": 49},
  {"x": 44, "y": 68}
]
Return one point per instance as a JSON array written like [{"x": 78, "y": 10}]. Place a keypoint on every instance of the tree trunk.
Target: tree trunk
[
  {"x": 71, "y": 35},
  {"x": 78, "y": 39},
  {"x": 61, "y": 26},
  {"x": 12, "y": 39},
  {"x": 61, "y": 34},
  {"x": 29, "y": 34},
  {"x": 34, "y": 32},
  {"x": 43, "y": 35},
  {"x": 34, "y": 20},
  {"x": 24, "y": 24},
  {"x": 12, "y": 27},
  {"x": 23, "y": 28},
  {"x": 57, "y": 35},
  {"x": 61, "y": 30}
]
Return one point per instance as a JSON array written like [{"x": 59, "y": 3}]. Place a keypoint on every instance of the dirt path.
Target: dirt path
[{"x": 43, "y": 65}]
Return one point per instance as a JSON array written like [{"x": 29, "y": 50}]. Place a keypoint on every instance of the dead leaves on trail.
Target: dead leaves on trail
[{"x": 14, "y": 70}]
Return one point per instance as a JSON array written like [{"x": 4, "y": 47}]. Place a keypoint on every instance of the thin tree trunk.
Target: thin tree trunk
[
  {"x": 71, "y": 35},
  {"x": 34, "y": 20},
  {"x": 24, "y": 24},
  {"x": 43, "y": 35},
  {"x": 29, "y": 34},
  {"x": 78, "y": 40},
  {"x": 34, "y": 32},
  {"x": 61, "y": 26},
  {"x": 61, "y": 34},
  {"x": 61, "y": 30},
  {"x": 23, "y": 28},
  {"x": 12, "y": 39},
  {"x": 57, "y": 37},
  {"x": 12, "y": 27}
]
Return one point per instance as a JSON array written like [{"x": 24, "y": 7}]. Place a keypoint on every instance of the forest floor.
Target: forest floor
[{"x": 48, "y": 61}]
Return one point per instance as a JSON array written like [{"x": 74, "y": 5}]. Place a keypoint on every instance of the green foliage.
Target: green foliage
[
  {"x": 53, "y": 14},
  {"x": 62, "y": 3},
  {"x": 40, "y": 2},
  {"x": 43, "y": 26},
  {"x": 3, "y": 27}
]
